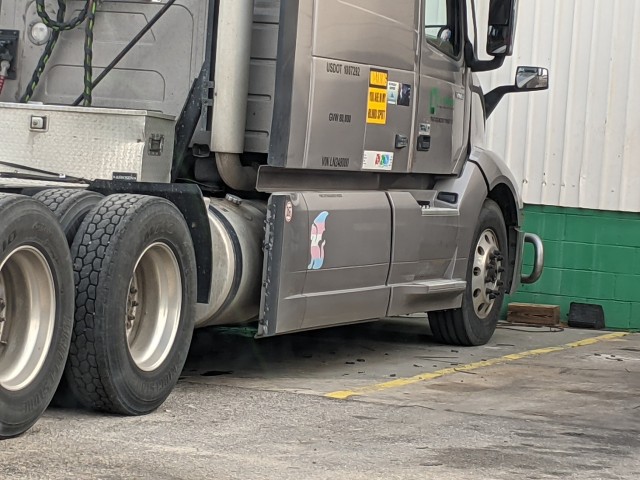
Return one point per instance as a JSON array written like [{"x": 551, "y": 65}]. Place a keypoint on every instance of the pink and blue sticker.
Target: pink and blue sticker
[{"x": 318, "y": 242}]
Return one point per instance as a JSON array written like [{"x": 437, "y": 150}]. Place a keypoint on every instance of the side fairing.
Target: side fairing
[
  {"x": 471, "y": 189},
  {"x": 487, "y": 176}
]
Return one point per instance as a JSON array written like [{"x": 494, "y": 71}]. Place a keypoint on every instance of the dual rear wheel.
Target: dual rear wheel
[
  {"x": 112, "y": 315},
  {"x": 134, "y": 266},
  {"x": 134, "y": 275}
]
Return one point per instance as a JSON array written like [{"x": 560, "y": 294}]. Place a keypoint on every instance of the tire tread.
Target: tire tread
[{"x": 88, "y": 254}]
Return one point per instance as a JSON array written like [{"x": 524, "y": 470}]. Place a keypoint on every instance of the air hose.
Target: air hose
[
  {"x": 57, "y": 26},
  {"x": 88, "y": 13}
]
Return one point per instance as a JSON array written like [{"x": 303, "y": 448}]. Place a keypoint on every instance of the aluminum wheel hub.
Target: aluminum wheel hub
[
  {"x": 487, "y": 273},
  {"x": 27, "y": 316},
  {"x": 154, "y": 305}
]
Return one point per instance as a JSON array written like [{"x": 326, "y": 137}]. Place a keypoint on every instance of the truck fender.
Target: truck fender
[
  {"x": 189, "y": 200},
  {"x": 486, "y": 176},
  {"x": 496, "y": 172},
  {"x": 504, "y": 190}
]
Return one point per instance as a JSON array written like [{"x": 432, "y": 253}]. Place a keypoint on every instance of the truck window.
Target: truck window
[{"x": 441, "y": 26}]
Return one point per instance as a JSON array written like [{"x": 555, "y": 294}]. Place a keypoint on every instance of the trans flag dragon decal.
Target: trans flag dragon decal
[{"x": 317, "y": 242}]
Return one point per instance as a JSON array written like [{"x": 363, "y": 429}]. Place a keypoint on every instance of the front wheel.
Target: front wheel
[
  {"x": 475, "y": 322},
  {"x": 135, "y": 275}
]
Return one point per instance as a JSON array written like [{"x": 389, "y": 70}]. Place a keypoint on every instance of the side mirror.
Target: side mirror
[
  {"x": 502, "y": 27},
  {"x": 532, "y": 78},
  {"x": 528, "y": 79}
]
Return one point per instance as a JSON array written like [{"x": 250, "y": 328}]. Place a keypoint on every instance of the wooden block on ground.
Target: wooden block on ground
[{"x": 544, "y": 315}]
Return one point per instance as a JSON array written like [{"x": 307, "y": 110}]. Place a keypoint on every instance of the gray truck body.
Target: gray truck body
[{"x": 369, "y": 138}]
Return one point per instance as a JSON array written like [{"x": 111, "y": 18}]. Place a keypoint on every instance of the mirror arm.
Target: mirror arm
[
  {"x": 480, "y": 65},
  {"x": 493, "y": 98}
]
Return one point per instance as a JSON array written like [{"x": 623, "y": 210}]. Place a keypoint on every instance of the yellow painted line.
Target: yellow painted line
[{"x": 403, "y": 382}]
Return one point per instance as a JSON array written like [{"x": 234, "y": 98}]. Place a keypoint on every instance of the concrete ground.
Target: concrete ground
[{"x": 399, "y": 406}]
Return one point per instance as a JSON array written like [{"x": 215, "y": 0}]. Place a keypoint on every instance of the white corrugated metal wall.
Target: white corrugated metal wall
[{"x": 577, "y": 145}]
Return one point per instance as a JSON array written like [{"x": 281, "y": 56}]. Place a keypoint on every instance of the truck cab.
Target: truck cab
[{"x": 296, "y": 164}]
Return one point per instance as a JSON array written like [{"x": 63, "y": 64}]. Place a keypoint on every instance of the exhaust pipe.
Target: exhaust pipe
[
  {"x": 235, "y": 175},
  {"x": 231, "y": 89}
]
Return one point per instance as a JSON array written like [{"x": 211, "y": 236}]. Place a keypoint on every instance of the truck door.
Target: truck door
[{"x": 443, "y": 98}]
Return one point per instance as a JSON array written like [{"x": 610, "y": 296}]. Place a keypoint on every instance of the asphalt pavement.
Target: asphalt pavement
[{"x": 366, "y": 402}]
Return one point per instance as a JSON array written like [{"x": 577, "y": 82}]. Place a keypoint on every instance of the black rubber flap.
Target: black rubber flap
[{"x": 585, "y": 315}]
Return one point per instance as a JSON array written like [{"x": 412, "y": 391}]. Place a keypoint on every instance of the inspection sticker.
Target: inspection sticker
[
  {"x": 377, "y": 100},
  {"x": 377, "y": 160},
  {"x": 393, "y": 92}
]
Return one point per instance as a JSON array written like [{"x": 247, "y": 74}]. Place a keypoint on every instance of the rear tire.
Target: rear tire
[
  {"x": 135, "y": 276},
  {"x": 475, "y": 322},
  {"x": 70, "y": 206},
  {"x": 35, "y": 265}
]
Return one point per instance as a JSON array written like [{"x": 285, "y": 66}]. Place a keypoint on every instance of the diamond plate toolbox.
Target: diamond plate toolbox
[{"x": 90, "y": 143}]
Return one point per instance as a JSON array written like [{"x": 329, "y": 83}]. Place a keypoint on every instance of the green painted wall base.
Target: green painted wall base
[{"x": 591, "y": 256}]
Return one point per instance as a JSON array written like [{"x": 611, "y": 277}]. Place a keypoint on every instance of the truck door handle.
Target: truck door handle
[
  {"x": 401, "y": 141},
  {"x": 424, "y": 143}
]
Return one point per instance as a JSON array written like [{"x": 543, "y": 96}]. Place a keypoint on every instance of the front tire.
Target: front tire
[
  {"x": 36, "y": 311},
  {"x": 475, "y": 322},
  {"x": 135, "y": 276}
]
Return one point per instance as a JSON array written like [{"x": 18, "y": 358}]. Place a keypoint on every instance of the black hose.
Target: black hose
[
  {"x": 88, "y": 52},
  {"x": 60, "y": 25},
  {"x": 126, "y": 50},
  {"x": 88, "y": 14},
  {"x": 57, "y": 26},
  {"x": 46, "y": 55}
]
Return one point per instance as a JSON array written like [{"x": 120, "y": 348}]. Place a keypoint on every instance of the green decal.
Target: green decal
[
  {"x": 435, "y": 95},
  {"x": 439, "y": 101}
]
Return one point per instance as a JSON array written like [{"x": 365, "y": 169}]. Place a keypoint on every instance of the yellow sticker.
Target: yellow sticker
[
  {"x": 379, "y": 78},
  {"x": 377, "y": 106}
]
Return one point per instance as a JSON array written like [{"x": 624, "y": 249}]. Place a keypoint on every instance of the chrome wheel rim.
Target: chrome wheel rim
[
  {"x": 486, "y": 274},
  {"x": 27, "y": 316},
  {"x": 154, "y": 305}
]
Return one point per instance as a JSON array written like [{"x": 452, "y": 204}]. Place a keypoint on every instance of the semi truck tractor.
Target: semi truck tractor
[{"x": 168, "y": 165}]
